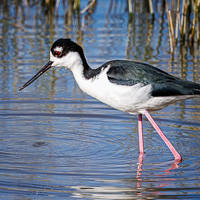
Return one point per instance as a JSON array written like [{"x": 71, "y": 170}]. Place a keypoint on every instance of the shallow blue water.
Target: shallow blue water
[{"x": 58, "y": 143}]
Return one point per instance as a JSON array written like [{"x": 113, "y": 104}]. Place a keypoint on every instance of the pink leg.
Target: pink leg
[
  {"x": 140, "y": 130},
  {"x": 177, "y": 156},
  {"x": 141, "y": 147}
]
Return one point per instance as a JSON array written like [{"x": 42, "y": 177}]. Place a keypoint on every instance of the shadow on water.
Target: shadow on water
[{"x": 58, "y": 143}]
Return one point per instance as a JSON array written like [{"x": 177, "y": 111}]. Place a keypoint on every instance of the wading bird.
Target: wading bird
[{"x": 129, "y": 86}]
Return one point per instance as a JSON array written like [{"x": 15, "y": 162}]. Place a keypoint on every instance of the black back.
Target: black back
[{"x": 125, "y": 72}]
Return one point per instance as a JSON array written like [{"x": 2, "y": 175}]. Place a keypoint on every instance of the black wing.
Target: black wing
[{"x": 124, "y": 72}]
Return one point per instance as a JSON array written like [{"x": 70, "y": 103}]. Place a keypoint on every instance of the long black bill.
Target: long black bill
[{"x": 44, "y": 69}]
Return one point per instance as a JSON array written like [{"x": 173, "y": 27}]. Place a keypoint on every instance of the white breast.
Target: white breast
[
  {"x": 121, "y": 97},
  {"x": 132, "y": 99}
]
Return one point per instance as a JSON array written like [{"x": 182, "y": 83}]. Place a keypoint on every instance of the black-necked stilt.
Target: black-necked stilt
[{"x": 129, "y": 86}]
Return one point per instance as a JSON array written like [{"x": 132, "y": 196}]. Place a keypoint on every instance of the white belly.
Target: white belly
[{"x": 132, "y": 99}]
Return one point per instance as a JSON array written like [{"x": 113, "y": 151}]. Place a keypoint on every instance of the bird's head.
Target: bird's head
[{"x": 63, "y": 53}]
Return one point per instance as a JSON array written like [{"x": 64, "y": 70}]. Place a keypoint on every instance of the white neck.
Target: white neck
[
  {"x": 74, "y": 62},
  {"x": 77, "y": 68}
]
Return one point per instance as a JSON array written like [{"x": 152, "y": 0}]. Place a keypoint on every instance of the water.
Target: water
[{"x": 58, "y": 143}]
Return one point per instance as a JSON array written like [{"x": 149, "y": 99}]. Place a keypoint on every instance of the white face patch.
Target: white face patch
[
  {"x": 71, "y": 60},
  {"x": 58, "y": 49}
]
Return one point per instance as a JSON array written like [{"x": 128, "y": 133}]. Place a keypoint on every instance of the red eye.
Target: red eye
[{"x": 57, "y": 53}]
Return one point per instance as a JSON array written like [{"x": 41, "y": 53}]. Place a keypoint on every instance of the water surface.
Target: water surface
[{"x": 58, "y": 143}]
